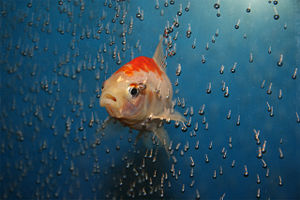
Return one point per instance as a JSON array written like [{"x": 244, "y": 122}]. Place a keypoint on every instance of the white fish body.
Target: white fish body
[{"x": 139, "y": 95}]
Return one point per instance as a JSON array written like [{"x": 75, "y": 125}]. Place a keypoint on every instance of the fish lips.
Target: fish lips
[{"x": 111, "y": 104}]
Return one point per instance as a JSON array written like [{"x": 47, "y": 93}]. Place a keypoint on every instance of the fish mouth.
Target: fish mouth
[
  {"x": 111, "y": 97},
  {"x": 108, "y": 99},
  {"x": 111, "y": 104}
]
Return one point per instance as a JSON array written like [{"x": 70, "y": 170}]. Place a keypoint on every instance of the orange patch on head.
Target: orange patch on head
[
  {"x": 133, "y": 85},
  {"x": 141, "y": 63},
  {"x": 127, "y": 69}
]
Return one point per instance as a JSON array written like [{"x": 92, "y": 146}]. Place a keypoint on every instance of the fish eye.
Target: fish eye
[{"x": 134, "y": 92}]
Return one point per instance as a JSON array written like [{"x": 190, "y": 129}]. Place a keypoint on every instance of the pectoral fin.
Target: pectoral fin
[
  {"x": 167, "y": 115},
  {"x": 163, "y": 138},
  {"x": 176, "y": 116}
]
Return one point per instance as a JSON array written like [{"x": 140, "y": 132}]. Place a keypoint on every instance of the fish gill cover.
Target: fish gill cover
[{"x": 233, "y": 65}]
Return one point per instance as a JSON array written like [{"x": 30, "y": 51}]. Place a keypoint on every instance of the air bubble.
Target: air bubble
[
  {"x": 276, "y": 15},
  {"x": 217, "y": 5},
  {"x": 237, "y": 26},
  {"x": 218, "y": 13},
  {"x": 189, "y": 31},
  {"x": 280, "y": 62},
  {"x": 138, "y": 14},
  {"x": 156, "y": 4},
  {"x": 166, "y": 4},
  {"x": 246, "y": 173},
  {"x": 187, "y": 8},
  {"x": 179, "y": 13}
]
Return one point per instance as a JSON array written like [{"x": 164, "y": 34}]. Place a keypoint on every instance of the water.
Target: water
[{"x": 55, "y": 56}]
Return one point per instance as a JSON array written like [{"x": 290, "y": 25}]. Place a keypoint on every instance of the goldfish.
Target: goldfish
[{"x": 139, "y": 95}]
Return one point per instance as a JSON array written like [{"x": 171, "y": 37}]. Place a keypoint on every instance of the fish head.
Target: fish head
[{"x": 124, "y": 96}]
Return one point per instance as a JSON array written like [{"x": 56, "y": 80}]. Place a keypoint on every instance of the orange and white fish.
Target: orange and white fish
[{"x": 139, "y": 95}]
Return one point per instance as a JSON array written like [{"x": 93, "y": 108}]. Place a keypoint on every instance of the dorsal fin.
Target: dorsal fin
[{"x": 158, "y": 56}]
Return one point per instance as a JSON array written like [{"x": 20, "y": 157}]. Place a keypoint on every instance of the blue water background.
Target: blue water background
[{"x": 59, "y": 82}]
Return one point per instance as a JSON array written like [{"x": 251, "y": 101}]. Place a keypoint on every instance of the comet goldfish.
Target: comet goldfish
[{"x": 139, "y": 95}]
